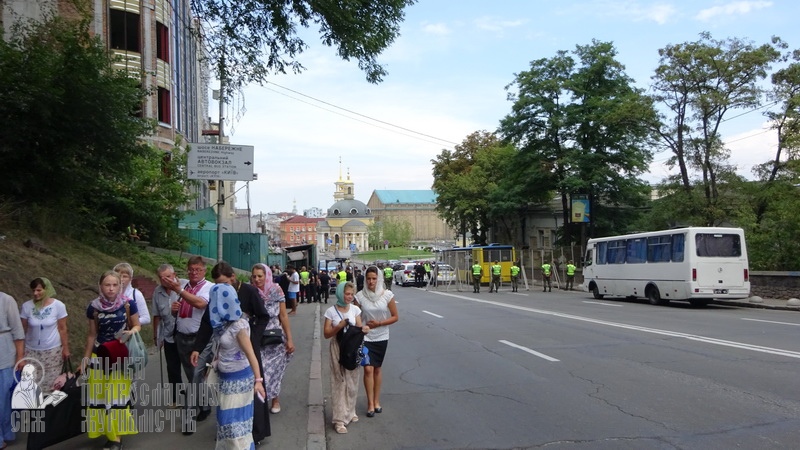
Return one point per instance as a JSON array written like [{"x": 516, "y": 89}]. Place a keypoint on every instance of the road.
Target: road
[
  {"x": 562, "y": 370},
  {"x": 534, "y": 370}
]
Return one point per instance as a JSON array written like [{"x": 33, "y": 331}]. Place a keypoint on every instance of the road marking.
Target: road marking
[
  {"x": 772, "y": 321},
  {"x": 692, "y": 337},
  {"x": 434, "y": 315},
  {"x": 604, "y": 304},
  {"x": 526, "y": 349}
]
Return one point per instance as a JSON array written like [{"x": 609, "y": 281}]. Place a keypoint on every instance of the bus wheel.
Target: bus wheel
[
  {"x": 699, "y": 302},
  {"x": 596, "y": 293},
  {"x": 654, "y": 296}
]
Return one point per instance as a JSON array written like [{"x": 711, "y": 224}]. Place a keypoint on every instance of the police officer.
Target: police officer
[
  {"x": 496, "y": 269},
  {"x": 388, "y": 273},
  {"x": 514, "y": 277},
  {"x": 570, "y": 275},
  {"x": 546, "y": 270},
  {"x": 477, "y": 273}
]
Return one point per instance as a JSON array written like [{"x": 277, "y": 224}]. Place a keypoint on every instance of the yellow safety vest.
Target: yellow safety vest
[
  {"x": 514, "y": 271},
  {"x": 496, "y": 269},
  {"x": 546, "y": 269},
  {"x": 571, "y": 269},
  {"x": 476, "y": 269}
]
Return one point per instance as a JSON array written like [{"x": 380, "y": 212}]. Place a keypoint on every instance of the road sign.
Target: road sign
[{"x": 220, "y": 162}]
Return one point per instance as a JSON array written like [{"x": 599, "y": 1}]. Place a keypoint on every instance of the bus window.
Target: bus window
[
  {"x": 659, "y": 248},
  {"x": 601, "y": 252},
  {"x": 718, "y": 245},
  {"x": 589, "y": 258},
  {"x": 616, "y": 252},
  {"x": 636, "y": 251},
  {"x": 678, "y": 243}
]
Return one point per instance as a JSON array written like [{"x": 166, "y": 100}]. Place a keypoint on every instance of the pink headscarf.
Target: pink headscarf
[{"x": 268, "y": 283}]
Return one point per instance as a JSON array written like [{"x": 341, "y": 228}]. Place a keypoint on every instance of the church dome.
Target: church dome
[{"x": 348, "y": 209}]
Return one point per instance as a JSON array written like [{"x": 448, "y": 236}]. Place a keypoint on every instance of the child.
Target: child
[{"x": 344, "y": 383}]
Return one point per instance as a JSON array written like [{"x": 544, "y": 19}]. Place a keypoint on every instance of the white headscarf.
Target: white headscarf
[{"x": 375, "y": 295}]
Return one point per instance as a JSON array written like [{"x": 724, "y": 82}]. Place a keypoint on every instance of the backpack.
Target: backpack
[{"x": 351, "y": 343}]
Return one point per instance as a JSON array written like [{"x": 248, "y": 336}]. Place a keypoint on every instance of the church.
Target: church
[{"x": 346, "y": 226}]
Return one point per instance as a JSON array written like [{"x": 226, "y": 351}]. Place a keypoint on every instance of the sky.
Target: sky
[{"x": 447, "y": 77}]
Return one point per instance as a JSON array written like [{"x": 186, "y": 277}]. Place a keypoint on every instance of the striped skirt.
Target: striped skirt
[{"x": 235, "y": 410}]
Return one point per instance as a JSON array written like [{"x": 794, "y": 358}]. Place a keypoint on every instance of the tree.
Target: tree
[
  {"x": 699, "y": 83},
  {"x": 465, "y": 179},
  {"x": 580, "y": 127},
  {"x": 249, "y": 39}
]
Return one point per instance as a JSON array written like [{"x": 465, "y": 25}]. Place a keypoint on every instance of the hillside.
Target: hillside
[{"x": 73, "y": 268}]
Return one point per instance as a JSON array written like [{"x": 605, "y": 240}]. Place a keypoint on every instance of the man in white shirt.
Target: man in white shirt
[
  {"x": 294, "y": 288},
  {"x": 192, "y": 302},
  {"x": 164, "y": 324}
]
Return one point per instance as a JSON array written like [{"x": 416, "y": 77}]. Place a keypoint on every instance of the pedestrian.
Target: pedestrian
[
  {"x": 570, "y": 275},
  {"x": 378, "y": 311},
  {"x": 305, "y": 279},
  {"x": 164, "y": 325},
  {"x": 238, "y": 368},
  {"x": 388, "y": 273},
  {"x": 359, "y": 280},
  {"x": 113, "y": 319},
  {"x": 125, "y": 272},
  {"x": 419, "y": 274},
  {"x": 44, "y": 320},
  {"x": 190, "y": 307},
  {"x": 275, "y": 357},
  {"x": 12, "y": 338},
  {"x": 496, "y": 271},
  {"x": 325, "y": 285},
  {"x": 294, "y": 288},
  {"x": 477, "y": 274},
  {"x": 546, "y": 272},
  {"x": 344, "y": 383},
  {"x": 515, "y": 277}
]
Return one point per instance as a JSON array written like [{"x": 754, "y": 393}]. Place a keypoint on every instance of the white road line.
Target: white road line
[
  {"x": 772, "y": 321},
  {"x": 434, "y": 315},
  {"x": 526, "y": 349},
  {"x": 604, "y": 304},
  {"x": 692, "y": 337}
]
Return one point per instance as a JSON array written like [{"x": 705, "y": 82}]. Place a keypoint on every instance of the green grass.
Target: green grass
[{"x": 399, "y": 253}]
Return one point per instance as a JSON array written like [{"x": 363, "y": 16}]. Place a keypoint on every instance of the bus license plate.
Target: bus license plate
[{"x": 720, "y": 291}]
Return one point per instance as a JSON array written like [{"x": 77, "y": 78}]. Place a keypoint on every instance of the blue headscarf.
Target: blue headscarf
[{"x": 224, "y": 305}]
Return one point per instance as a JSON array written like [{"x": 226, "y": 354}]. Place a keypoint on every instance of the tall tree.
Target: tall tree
[
  {"x": 580, "y": 127},
  {"x": 249, "y": 39},
  {"x": 699, "y": 83}
]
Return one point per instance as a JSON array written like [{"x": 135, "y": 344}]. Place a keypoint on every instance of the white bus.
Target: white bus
[{"x": 697, "y": 264}]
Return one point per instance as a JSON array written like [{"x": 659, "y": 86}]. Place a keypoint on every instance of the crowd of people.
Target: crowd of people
[{"x": 239, "y": 331}]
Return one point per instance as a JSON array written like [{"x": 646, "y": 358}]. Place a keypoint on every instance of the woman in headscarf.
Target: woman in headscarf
[
  {"x": 239, "y": 374},
  {"x": 44, "y": 320},
  {"x": 112, "y": 317},
  {"x": 125, "y": 272},
  {"x": 274, "y": 357},
  {"x": 378, "y": 310},
  {"x": 344, "y": 383}
]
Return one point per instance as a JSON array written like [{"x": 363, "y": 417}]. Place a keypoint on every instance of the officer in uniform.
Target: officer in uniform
[
  {"x": 546, "y": 269},
  {"x": 570, "y": 275},
  {"x": 514, "y": 277},
  {"x": 496, "y": 269},
  {"x": 477, "y": 273}
]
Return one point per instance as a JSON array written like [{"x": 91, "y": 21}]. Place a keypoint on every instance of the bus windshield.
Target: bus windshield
[{"x": 718, "y": 245}]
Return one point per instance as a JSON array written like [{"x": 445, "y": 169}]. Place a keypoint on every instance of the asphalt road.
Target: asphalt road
[{"x": 535, "y": 370}]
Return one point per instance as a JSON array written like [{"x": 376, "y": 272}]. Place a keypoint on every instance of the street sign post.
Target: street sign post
[{"x": 220, "y": 162}]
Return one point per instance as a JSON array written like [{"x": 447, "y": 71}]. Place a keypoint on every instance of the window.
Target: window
[
  {"x": 336, "y": 212},
  {"x": 291, "y": 229},
  {"x": 353, "y": 211},
  {"x": 602, "y": 247},
  {"x": 659, "y": 248},
  {"x": 678, "y": 242},
  {"x": 162, "y": 42},
  {"x": 636, "y": 251},
  {"x": 616, "y": 252},
  {"x": 164, "y": 110},
  {"x": 124, "y": 30},
  {"x": 718, "y": 245}
]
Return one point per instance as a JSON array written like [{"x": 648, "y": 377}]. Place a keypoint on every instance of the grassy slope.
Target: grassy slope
[{"x": 73, "y": 268}]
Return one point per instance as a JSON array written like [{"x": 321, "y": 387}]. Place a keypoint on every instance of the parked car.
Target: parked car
[
  {"x": 445, "y": 273},
  {"x": 404, "y": 274}
]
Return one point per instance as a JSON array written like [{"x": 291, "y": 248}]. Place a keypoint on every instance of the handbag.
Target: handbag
[
  {"x": 272, "y": 336},
  {"x": 67, "y": 379},
  {"x": 137, "y": 352}
]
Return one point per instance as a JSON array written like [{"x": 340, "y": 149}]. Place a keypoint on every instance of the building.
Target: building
[
  {"x": 418, "y": 208},
  {"x": 157, "y": 42},
  {"x": 346, "y": 226},
  {"x": 299, "y": 230},
  {"x": 314, "y": 212}
]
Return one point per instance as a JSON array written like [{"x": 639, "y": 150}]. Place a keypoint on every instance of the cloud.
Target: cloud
[
  {"x": 731, "y": 9},
  {"x": 659, "y": 13},
  {"x": 439, "y": 29},
  {"x": 494, "y": 24}
]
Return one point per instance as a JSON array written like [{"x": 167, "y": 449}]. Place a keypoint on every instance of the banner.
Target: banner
[{"x": 580, "y": 209}]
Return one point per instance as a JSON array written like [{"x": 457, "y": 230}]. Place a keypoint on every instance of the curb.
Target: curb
[
  {"x": 316, "y": 398},
  {"x": 756, "y": 305}
]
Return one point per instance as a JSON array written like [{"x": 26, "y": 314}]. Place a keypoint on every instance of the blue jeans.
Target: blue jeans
[{"x": 6, "y": 381}]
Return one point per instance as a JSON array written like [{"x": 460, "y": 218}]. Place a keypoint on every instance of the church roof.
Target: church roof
[
  {"x": 348, "y": 208},
  {"x": 354, "y": 225},
  {"x": 406, "y": 196}
]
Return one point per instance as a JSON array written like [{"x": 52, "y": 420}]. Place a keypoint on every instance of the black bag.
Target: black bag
[
  {"x": 351, "y": 341},
  {"x": 61, "y": 422},
  {"x": 272, "y": 336}
]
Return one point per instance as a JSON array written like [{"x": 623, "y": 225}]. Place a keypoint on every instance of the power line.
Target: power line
[{"x": 363, "y": 115}]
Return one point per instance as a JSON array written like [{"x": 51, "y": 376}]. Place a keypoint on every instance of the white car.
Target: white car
[
  {"x": 404, "y": 274},
  {"x": 445, "y": 273}
]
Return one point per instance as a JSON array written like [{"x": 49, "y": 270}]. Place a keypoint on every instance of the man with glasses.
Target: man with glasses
[{"x": 191, "y": 304}]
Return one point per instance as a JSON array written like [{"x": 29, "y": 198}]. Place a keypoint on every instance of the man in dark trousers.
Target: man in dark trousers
[
  {"x": 252, "y": 305},
  {"x": 324, "y": 285}
]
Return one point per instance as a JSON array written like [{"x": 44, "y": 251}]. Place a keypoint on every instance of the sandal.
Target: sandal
[
  {"x": 353, "y": 420},
  {"x": 340, "y": 428},
  {"x": 111, "y": 445}
]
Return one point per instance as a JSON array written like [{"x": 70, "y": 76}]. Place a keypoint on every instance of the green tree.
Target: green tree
[
  {"x": 397, "y": 231},
  {"x": 699, "y": 83},
  {"x": 249, "y": 39},
  {"x": 580, "y": 127}
]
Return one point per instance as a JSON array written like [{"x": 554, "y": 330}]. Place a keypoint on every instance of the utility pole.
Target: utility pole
[{"x": 220, "y": 183}]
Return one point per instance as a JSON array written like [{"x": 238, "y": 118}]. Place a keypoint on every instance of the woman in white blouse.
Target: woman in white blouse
[{"x": 44, "y": 319}]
